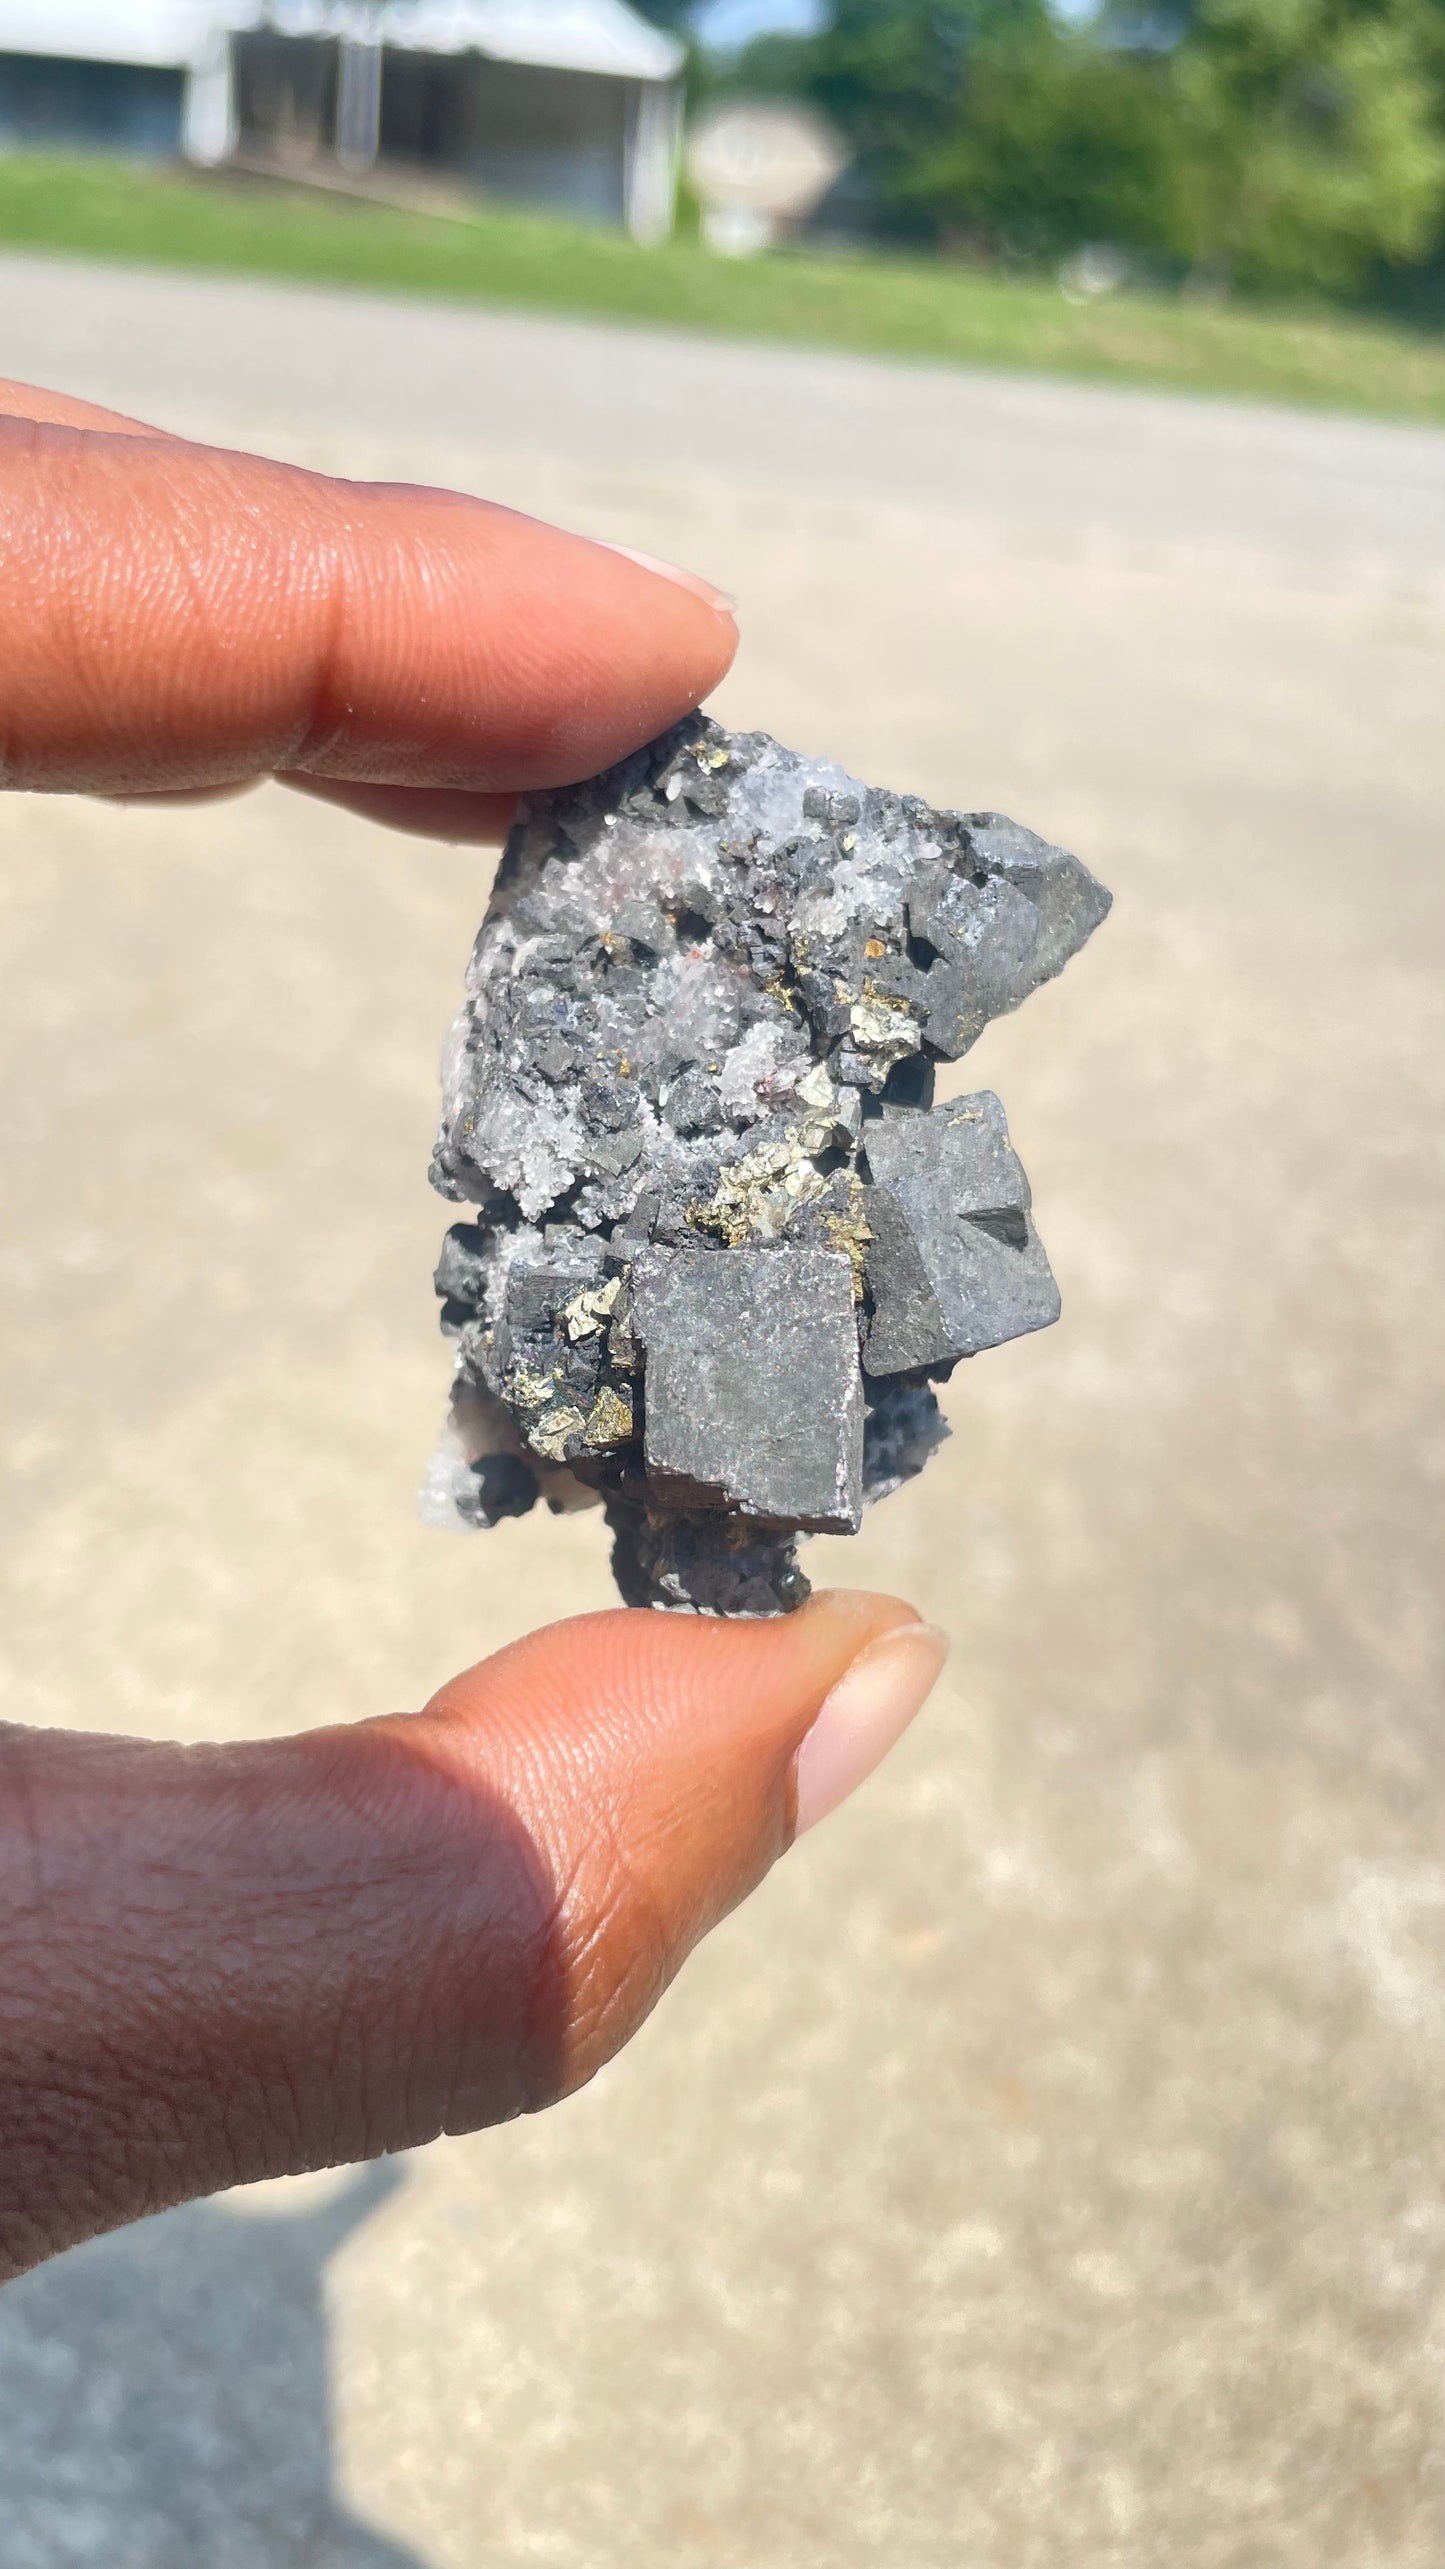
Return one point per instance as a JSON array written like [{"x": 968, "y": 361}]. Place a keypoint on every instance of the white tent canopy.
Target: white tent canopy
[
  {"x": 561, "y": 35},
  {"x": 160, "y": 35},
  {"x": 557, "y": 35}
]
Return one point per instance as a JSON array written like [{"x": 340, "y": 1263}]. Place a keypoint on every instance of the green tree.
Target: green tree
[
  {"x": 1311, "y": 138},
  {"x": 893, "y": 75},
  {"x": 1265, "y": 143},
  {"x": 1057, "y": 139},
  {"x": 987, "y": 121}
]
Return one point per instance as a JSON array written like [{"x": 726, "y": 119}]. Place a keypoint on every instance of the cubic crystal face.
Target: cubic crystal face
[
  {"x": 954, "y": 1264},
  {"x": 754, "y": 1400},
  {"x": 724, "y": 1240}
]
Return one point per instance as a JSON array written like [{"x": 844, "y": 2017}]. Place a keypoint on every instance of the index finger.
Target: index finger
[{"x": 175, "y": 616}]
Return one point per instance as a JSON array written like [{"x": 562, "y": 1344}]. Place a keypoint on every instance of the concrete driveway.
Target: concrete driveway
[{"x": 1043, "y": 2169}]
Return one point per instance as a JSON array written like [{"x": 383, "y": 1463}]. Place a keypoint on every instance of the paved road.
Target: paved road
[
  {"x": 648, "y": 404},
  {"x": 1042, "y": 2169}
]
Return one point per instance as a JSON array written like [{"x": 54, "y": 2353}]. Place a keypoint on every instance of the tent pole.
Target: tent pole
[
  {"x": 358, "y": 102},
  {"x": 654, "y": 139}
]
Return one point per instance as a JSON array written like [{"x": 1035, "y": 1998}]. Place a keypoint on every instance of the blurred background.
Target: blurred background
[{"x": 1045, "y": 2166}]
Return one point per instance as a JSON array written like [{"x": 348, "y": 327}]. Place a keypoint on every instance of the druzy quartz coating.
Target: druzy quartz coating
[{"x": 722, "y": 1241}]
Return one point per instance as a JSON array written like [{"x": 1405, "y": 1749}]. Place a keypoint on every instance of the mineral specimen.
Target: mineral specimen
[{"x": 724, "y": 1240}]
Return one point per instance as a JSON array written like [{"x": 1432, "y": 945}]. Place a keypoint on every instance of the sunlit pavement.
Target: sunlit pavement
[{"x": 1040, "y": 2170}]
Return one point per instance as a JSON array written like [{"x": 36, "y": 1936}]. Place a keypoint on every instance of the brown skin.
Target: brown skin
[{"x": 227, "y": 1963}]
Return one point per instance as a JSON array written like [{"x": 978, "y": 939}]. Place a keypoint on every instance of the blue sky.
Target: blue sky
[{"x": 726, "y": 24}]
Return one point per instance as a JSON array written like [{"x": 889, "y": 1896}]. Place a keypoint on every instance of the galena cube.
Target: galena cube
[
  {"x": 752, "y": 1395},
  {"x": 954, "y": 1263}
]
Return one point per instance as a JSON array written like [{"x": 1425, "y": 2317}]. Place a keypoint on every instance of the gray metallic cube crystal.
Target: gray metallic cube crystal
[
  {"x": 752, "y": 1394},
  {"x": 954, "y": 1264}
]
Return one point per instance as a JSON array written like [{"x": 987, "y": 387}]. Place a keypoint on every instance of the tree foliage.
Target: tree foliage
[
  {"x": 1313, "y": 138},
  {"x": 1057, "y": 141},
  {"x": 1269, "y": 143}
]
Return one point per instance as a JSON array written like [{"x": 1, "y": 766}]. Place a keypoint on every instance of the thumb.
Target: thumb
[{"x": 237, "y": 1962}]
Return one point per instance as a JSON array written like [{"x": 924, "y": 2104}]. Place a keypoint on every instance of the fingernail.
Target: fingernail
[
  {"x": 870, "y": 1707},
  {"x": 693, "y": 580}
]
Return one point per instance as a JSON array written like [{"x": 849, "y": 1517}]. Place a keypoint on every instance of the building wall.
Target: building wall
[
  {"x": 285, "y": 98},
  {"x": 55, "y": 103},
  {"x": 599, "y": 148},
  {"x": 554, "y": 138}
]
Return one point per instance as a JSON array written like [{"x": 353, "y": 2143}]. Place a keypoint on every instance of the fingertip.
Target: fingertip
[
  {"x": 878, "y": 1695},
  {"x": 861, "y": 1614},
  {"x": 718, "y": 1685},
  {"x": 672, "y": 630},
  {"x": 644, "y": 1771},
  {"x": 445, "y": 812},
  {"x": 721, "y": 602},
  {"x": 254, "y": 618},
  {"x": 551, "y": 655}
]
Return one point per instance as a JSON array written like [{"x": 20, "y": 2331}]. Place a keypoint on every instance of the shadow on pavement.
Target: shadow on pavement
[{"x": 165, "y": 2401}]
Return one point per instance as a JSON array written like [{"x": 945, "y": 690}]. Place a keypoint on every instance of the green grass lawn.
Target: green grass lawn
[{"x": 893, "y": 306}]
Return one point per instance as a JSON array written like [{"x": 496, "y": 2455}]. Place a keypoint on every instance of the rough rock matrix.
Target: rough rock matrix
[{"x": 724, "y": 1241}]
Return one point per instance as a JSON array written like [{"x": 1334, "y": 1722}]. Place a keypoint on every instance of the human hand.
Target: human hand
[{"x": 226, "y": 1963}]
